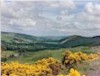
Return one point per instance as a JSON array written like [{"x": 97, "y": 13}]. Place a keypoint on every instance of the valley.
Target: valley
[{"x": 27, "y": 49}]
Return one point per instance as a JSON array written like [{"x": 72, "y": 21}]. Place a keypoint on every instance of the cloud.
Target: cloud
[
  {"x": 62, "y": 4},
  {"x": 18, "y": 17},
  {"x": 93, "y": 9},
  {"x": 89, "y": 18},
  {"x": 67, "y": 4},
  {"x": 86, "y": 22},
  {"x": 51, "y": 17},
  {"x": 23, "y": 22}
]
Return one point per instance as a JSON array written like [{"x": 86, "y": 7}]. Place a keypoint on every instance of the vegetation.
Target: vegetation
[
  {"x": 16, "y": 42},
  {"x": 28, "y": 56},
  {"x": 44, "y": 67},
  {"x": 48, "y": 66},
  {"x": 77, "y": 57},
  {"x": 48, "y": 56}
]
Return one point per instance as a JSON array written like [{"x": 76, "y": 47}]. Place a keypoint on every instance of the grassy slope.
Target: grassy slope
[
  {"x": 72, "y": 41},
  {"x": 31, "y": 57},
  {"x": 84, "y": 68},
  {"x": 9, "y": 37}
]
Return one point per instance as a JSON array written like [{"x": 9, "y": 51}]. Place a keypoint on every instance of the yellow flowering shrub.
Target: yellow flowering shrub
[
  {"x": 76, "y": 57},
  {"x": 47, "y": 66},
  {"x": 40, "y": 68},
  {"x": 74, "y": 73}
]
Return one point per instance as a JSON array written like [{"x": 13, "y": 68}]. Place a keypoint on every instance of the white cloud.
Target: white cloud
[
  {"x": 51, "y": 17},
  {"x": 90, "y": 18},
  {"x": 92, "y": 8},
  {"x": 19, "y": 16},
  {"x": 23, "y": 22},
  {"x": 86, "y": 22},
  {"x": 62, "y": 4},
  {"x": 67, "y": 4}
]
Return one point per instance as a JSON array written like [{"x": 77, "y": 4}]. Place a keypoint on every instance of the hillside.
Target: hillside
[
  {"x": 80, "y": 41},
  {"x": 16, "y": 41},
  {"x": 16, "y": 37},
  {"x": 23, "y": 38}
]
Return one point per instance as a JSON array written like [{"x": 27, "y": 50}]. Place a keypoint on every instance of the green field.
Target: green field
[{"x": 31, "y": 57}]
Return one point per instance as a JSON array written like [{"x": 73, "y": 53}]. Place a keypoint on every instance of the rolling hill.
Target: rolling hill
[
  {"x": 16, "y": 37},
  {"x": 73, "y": 41},
  {"x": 16, "y": 41},
  {"x": 23, "y": 38}
]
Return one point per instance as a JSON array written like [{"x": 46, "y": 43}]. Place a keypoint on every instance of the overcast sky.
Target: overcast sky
[{"x": 51, "y": 18}]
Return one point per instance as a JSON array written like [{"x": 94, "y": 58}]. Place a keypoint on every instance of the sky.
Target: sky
[{"x": 51, "y": 18}]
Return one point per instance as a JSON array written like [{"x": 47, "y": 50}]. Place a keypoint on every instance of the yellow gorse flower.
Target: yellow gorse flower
[
  {"x": 76, "y": 57},
  {"x": 74, "y": 73},
  {"x": 41, "y": 67},
  {"x": 46, "y": 66}
]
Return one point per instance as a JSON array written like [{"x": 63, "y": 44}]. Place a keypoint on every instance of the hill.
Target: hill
[
  {"x": 16, "y": 37},
  {"x": 73, "y": 41},
  {"x": 23, "y": 38},
  {"x": 17, "y": 41}
]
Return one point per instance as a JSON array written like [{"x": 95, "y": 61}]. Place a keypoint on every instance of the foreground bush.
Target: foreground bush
[
  {"x": 76, "y": 57},
  {"x": 47, "y": 66},
  {"x": 72, "y": 72},
  {"x": 44, "y": 67}
]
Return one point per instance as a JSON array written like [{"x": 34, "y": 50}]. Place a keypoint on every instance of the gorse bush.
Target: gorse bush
[
  {"x": 46, "y": 66},
  {"x": 76, "y": 57}
]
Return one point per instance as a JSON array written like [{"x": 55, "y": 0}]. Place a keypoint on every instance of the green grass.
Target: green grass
[
  {"x": 31, "y": 57},
  {"x": 82, "y": 49},
  {"x": 34, "y": 56}
]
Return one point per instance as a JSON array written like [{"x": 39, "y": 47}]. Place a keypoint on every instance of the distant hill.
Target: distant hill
[
  {"x": 16, "y": 37},
  {"x": 72, "y": 41},
  {"x": 23, "y": 38},
  {"x": 16, "y": 41}
]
